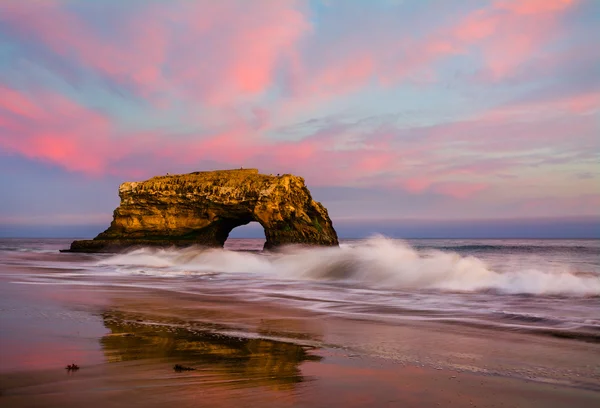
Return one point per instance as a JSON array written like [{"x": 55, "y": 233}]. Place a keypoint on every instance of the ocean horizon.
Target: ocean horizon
[{"x": 582, "y": 227}]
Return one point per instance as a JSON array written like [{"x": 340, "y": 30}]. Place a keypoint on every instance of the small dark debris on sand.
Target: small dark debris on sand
[
  {"x": 72, "y": 367},
  {"x": 179, "y": 368}
]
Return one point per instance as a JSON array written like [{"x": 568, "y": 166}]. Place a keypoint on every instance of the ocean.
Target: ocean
[{"x": 548, "y": 287}]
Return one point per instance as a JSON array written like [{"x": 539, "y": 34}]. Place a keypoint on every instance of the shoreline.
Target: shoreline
[{"x": 127, "y": 340}]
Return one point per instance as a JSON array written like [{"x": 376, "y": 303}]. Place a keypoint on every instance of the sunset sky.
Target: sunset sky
[{"x": 396, "y": 112}]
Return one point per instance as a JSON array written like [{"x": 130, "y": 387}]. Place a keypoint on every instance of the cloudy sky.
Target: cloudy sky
[{"x": 395, "y": 111}]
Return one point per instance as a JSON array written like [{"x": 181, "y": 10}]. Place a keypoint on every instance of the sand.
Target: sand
[{"x": 126, "y": 342}]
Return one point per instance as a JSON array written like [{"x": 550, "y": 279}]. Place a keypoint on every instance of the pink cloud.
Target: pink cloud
[
  {"x": 506, "y": 33},
  {"x": 225, "y": 54},
  {"x": 17, "y": 103},
  {"x": 509, "y": 31},
  {"x": 417, "y": 184},
  {"x": 136, "y": 58},
  {"x": 526, "y": 7},
  {"x": 224, "y": 50},
  {"x": 231, "y": 49},
  {"x": 52, "y": 128},
  {"x": 577, "y": 104},
  {"x": 458, "y": 190},
  {"x": 524, "y": 125},
  {"x": 580, "y": 104},
  {"x": 374, "y": 162}
]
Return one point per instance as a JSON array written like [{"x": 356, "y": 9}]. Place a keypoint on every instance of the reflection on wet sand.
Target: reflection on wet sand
[
  {"x": 143, "y": 347},
  {"x": 246, "y": 361}
]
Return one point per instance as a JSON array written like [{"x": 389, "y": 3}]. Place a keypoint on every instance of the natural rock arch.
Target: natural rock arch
[{"x": 203, "y": 207}]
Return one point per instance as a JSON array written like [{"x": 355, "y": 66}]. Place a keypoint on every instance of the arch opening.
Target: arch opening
[{"x": 247, "y": 237}]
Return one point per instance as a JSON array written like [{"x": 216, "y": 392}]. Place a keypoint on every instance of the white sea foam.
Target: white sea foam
[{"x": 377, "y": 262}]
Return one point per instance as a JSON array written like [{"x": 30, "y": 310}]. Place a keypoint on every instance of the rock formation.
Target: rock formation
[{"x": 203, "y": 207}]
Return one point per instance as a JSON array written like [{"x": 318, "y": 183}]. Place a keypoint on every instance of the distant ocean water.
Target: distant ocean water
[{"x": 547, "y": 287}]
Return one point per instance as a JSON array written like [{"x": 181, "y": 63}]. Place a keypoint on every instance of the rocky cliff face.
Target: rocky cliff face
[{"x": 203, "y": 207}]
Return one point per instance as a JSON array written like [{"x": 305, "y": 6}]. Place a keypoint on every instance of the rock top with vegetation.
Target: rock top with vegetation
[{"x": 202, "y": 208}]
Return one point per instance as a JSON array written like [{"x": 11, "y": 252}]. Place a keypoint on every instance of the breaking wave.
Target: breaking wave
[
  {"x": 378, "y": 262},
  {"x": 517, "y": 248}
]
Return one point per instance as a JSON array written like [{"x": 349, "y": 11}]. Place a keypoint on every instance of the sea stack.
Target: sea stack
[{"x": 202, "y": 208}]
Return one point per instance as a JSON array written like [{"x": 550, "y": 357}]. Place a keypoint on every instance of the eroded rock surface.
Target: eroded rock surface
[{"x": 203, "y": 207}]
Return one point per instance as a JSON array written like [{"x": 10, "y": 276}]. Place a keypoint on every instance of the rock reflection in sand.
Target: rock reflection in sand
[{"x": 245, "y": 361}]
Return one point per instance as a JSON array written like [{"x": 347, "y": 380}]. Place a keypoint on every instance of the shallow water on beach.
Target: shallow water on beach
[{"x": 548, "y": 287}]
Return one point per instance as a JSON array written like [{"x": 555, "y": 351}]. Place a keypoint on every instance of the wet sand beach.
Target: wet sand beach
[{"x": 126, "y": 342}]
